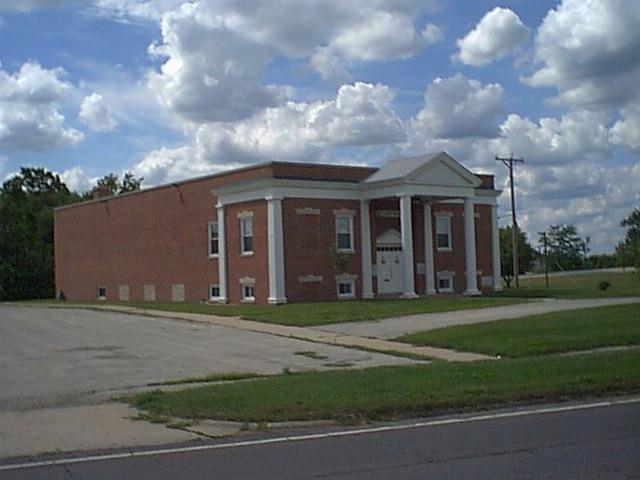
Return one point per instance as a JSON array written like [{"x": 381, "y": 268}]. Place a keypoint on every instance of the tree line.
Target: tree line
[
  {"x": 27, "y": 201},
  {"x": 566, "y": 250}
]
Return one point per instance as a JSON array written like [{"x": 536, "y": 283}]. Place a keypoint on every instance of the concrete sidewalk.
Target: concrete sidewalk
[{"x": 394, "y": 327}]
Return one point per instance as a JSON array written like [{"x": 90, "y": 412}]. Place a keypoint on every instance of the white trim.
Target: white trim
[
  {"x": 308, "y": 211},
  {"x": 352, "y": 285},
  {"x": 445, "y": 276},
  {"x": 275, "y": 244},
  {"x": 213, "y": 298},
  {"x": 448, "y": 216},
  {"x": 222, "y": 255},
  {"x": 210, "y": 239},
  {"x": 346, "y": 276},
  {"x": 365, "y": 250},
  {"x": 495, "y": 250},
  {"x": 349, "y": 218},
  {"x": 247, "y": 282},
  {"x": 406, "y": 230},
  {"x": 246, "y": 220},
  {"x": 388, "y": 213},
  {"x": 470, "y": 248},
  {"x": 429, "y": 268},
  {"x": 310, "y": 278},
  {"x": 344, "y": 212},
  {"x": 123, "y": 293},
  {"x": 245, "y": 214}
]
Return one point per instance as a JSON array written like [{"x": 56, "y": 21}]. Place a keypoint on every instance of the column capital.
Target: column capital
[
  {"x": 271, "y": 198},
  {"x": 219, "y": 206}
]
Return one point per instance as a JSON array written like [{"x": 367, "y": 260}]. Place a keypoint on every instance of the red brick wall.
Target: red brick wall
[
  {"x": 156, "y": 236},
  {"x": 307, "y": 242}
]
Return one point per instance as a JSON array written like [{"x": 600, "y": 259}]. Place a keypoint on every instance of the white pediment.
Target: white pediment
[{"x": 443, "y": 171}]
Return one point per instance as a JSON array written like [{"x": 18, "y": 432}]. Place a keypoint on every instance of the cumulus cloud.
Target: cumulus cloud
[
  {"x": 589, "y": 50},
  {"x": 27, "y": 5},
  {"x": 30, "y": 118},
  {"x": 458, "y": 107},
  {"x": 496, "y": 35},
  {"x": 97, "y": 114},
  {"x": 626, "y": 131},
  {"x": 360, "y": 115},
  {"x": 77, "y": 179}
]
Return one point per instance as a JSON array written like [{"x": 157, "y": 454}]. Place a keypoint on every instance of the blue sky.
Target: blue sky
[{"x": 170, "y": 90}]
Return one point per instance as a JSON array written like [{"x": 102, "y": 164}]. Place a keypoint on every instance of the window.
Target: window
[
  {"x": 344, "y": 233},
  {"x": 443, "y": 233},
  {"x": 213, "y": 239},
  {"x": 101, "y": 293},
  {"x": 248, "y": 293},
  {"x": 214, "y": 292},
  {"x": 246, "y": 235},
  {"x": 346, "y": 288},
  {"x": 445, "y": 283}
]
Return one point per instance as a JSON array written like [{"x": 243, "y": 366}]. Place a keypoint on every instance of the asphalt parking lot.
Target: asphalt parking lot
[{"x": 56, "y": 357}]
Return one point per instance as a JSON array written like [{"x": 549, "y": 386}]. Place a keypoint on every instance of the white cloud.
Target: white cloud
[
  {"x": 27, "y": 5},
  {"x": 77, "y": 180},
  {"x": 97, "y": 114},
  {"x": 575, "y": 137},
  {"x": 626, "y": 131},
  {"x": 458, "y": 107},
  {"x": 330, "y": 66},
  {"x": 360, "y": 115},
  {"x": 496, "y": 35},
  {"x": 30, "y": 118},
  {"x": 589, "y": 50}
]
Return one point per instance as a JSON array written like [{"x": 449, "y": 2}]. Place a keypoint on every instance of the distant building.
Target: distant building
[{"x": 287, "y": 232}]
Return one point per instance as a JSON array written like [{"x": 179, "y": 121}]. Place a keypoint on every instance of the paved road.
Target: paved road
[
  {"x": 394, "y": 327},
  {"x": 56, "y": 357},
  {"x": 594, "y": 443}
]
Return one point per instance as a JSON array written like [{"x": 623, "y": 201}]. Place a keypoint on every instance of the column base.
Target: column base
[
  {"x": 410, "y": 295},
  {"x": 277, "y": 301},
  {"x": 431, "y": 291},
  {"x": 473, "y": 292},
  {"x": 497, "y": 288},
  {"x": 222, "y": 300},
  {"x": 368, "y": 296}
]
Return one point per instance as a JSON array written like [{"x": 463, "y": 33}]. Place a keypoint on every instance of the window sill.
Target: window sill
[
  {"x": 345, "y": 250},
  {"x": 442, "y": 249},
  {"x": 248, "y": 300},
  {"x": 214, "y": 255},
  {"x": 246, "y": 254}
]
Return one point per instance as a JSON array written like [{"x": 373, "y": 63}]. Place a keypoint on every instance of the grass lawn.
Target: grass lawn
[
  {"x": 391, "y": 392},
  {"x": 540, "y": 334},
  {"x": 623, "y": 284},
  {"x": 312, "y": 314}
]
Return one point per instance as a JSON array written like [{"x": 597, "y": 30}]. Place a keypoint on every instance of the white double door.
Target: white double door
[{"x": 390, "y": 269}]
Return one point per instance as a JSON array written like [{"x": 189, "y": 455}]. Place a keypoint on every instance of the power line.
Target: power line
[{"x": 508, "y": 162}]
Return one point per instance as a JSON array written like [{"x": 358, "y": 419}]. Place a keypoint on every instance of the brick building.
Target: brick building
[{"x": 287, "y": 232}]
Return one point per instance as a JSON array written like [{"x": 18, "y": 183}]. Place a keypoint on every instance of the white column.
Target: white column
[
  {"x": 409, "y": 290},
  {"x": 470, "y": 247},
  {"x": 276, "y": 251},
  {"x": 365, "y": 247},
  {"x": 429, "y": 269},
  {"x": 222, "y": 256},
  {"x": 495, "y": 250}
]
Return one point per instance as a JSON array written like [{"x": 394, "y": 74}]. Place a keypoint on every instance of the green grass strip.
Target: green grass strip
[
  {"x": 540, "y": 334},
  {"x": 391, "y": 392}
]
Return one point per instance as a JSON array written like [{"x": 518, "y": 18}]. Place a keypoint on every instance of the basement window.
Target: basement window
[
  {"x": 214, "y": 292},
  {"x": 445, "y": 283},
  {"x": 248, "y": 293},
  {"x": 101, "y": 293},
  {"x": 346, "y": 289}
]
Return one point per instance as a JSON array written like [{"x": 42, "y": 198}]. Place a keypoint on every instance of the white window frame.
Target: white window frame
[
  {"x": 445, "y": 276},
  {"x": 440, "y": 218},
  {"x": 247, "y": 296},
  {"x": 212, "y": 297},
  {"x": 349, "y": 219},
  {"x": 243, "y": 235},
  {"x": 101, "y": 297},
  {"x": 351, "y": 283},
  {"x": 211, "y": 238}
]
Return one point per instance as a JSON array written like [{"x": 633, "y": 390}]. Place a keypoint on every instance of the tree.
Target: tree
[
  {"x": 628, "y": 251},
  {"x": 525, "y": 253},
  {"x": 115, "y": 186},
  {"x": 566, "y": 249},
  {"x": 27, "y": 201}
]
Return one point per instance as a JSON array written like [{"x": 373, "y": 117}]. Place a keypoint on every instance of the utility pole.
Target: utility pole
[
  {"x": 508, "y": 162},
  {"x": 546, "y": 258}
]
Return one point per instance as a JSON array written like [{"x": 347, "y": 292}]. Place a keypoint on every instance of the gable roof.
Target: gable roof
[{"x": 417, "y": 169}]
